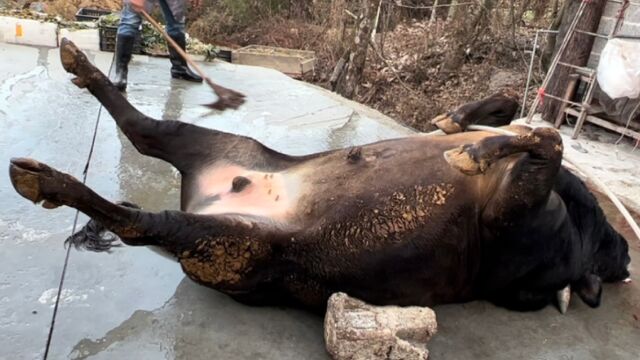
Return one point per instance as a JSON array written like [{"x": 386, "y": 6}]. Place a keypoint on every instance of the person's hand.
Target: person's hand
[
  {"x": 137, "y": 5},
  {"x": 196, "y": 3}
]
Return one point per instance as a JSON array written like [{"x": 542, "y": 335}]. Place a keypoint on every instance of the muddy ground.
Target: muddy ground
[{"x": 405, "y": 85}]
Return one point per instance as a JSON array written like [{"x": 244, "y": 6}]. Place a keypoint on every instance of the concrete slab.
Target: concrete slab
[
  {"x": 612, "y": 159},
  {"x": 109, "y": 317},
  {"x": 36, "y": 115},
  {"x": 85, "y": 39},
  {"x": 28, "y": 32},
  {"x": 132, "y": 303},
  {"x": 479, "y": 330}
]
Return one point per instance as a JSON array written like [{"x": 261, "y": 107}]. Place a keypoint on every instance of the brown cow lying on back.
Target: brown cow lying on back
[{"x": 411, "y": 221}]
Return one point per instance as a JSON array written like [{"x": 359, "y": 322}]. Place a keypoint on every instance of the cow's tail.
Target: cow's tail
[{"x": 94, "y": 236}]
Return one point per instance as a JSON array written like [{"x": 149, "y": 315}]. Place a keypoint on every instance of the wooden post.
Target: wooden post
[
  {"x": 576, "y": 53},
  {"x": 571, "y": 90},
  {"x": 586, "y": 104}
]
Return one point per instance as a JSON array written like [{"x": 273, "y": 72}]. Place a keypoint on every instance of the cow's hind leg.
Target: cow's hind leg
[
  {"x": 94, "y": 236},
  {"x": 50, "y": 188},
  {"x": 171, "y": 229},
  {"x": 184, "y": 145},
  {"x": 224, "y": 252},
  {"x": 150, "y": 137}
]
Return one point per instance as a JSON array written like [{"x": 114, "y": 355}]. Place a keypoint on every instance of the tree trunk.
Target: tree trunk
[
  {"x": 452, "y": 10},
  {"x": 434, "y": 11},
  {"x": 351, "y": 75},
  {"x": 336, "y": 15},
  {"x": 554, "y": 8},
  {"x": 539, "y": 10},
  {"x": 462, "y": 30},
  {"x": 550, "y": 45},
  {"x": 524, "y": 6},
  {"x": 512, "y": 19},
  {"x": 577, "y": 51}
]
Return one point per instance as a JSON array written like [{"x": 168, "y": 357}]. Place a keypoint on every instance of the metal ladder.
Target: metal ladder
[{"x": 583, "y": 73}]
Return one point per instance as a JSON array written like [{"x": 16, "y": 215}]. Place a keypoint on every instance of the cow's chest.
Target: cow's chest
[{"x": 232, "y": 189}]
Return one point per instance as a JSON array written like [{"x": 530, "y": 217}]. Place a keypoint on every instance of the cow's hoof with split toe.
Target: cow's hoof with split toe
[
  {"x": 69, "y": 54},
  {"x": 75, "y": 62},
  {"x": 447, "y": 124},
  {"x": 462, "y": 159},
  {"x": 32, "y": 179}
]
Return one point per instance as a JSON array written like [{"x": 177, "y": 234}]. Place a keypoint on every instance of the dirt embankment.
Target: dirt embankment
[
  {"x": 68, "y": 8},
  {"x": 401, "y": 79}
]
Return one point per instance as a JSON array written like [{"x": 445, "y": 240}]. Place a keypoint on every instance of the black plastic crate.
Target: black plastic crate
[
  {"x": 108, "y": 39},
  {"x": 85, "y": 14},
  {"x": 224, "y": 55}
]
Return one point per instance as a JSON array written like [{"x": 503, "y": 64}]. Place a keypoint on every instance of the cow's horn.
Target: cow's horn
[{"x": 564, "y": 296}]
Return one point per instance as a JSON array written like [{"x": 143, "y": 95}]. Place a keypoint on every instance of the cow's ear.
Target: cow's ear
[{"x": 589, "y": 288}]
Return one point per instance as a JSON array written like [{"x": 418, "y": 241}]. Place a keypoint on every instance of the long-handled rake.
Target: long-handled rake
[{"x": 227, "y": 98}]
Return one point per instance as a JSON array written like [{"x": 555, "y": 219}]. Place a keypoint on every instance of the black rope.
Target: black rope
[{"x": 75, "y": 223}]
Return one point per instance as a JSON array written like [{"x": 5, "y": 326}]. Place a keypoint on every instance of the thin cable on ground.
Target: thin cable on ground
[{"x": 73, "y": 229}]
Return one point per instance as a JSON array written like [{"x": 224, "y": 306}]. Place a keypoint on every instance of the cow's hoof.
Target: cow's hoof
[
  {"x": 75, "y": 62},
  {"x": 563, "y": 298},
  {"x": 69, "y": 54},
  {"x": 446, "y": 123},
  {"x": 462, "y": 160},
  {"x": 28, "y": 177}
]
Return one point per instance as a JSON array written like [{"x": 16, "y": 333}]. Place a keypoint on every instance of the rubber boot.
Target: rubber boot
[
  {"x": 124, "y": 49},
  {"x": 179, "y": 68}
]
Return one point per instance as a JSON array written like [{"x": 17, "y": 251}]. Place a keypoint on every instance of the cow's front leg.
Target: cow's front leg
[
  {"x": 496, "y": 110},
  {"x": 229, "y": 253},
  {"x": 515, "y": 193},
  {"x": 527, "y": 183}
]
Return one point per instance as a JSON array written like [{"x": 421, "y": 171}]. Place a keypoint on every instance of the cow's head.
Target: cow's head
[
  {"x": 611, "y": 257},
  {"x": 605, "y": 253}
]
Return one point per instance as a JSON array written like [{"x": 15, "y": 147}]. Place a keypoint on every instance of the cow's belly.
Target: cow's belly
[{"x": 271, "y": 195}]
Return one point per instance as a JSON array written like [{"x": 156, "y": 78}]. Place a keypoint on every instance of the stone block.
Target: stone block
[{"x": 355, "y": 330}]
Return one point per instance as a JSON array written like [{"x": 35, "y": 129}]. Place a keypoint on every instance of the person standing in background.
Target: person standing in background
[{"x": 130, "y": 20}]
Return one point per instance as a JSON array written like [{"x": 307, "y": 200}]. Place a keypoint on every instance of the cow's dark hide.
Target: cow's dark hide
[{"x": 420, "y": 220}]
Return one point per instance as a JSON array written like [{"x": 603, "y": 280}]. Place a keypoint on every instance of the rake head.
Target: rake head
[{"x": 227, "y": 98}]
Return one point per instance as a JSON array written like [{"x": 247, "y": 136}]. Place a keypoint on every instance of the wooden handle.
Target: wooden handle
[{"x": 173, "y": 44}]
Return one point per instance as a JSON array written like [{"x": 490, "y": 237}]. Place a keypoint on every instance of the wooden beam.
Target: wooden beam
[{"x": 607, "y": 125}]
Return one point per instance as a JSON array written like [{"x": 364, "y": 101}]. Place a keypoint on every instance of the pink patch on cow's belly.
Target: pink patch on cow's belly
[{"x": 271, "y": 195}]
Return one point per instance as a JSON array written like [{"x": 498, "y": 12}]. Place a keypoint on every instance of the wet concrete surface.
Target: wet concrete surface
[
  {"x": 479, "y": 330},
  {"x": 133, "y": 304}
]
